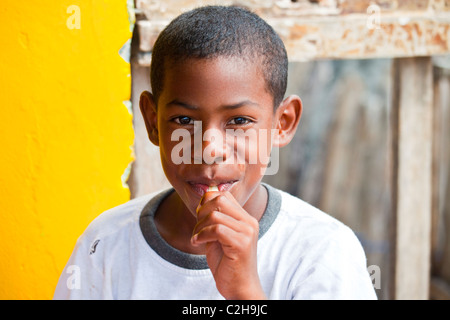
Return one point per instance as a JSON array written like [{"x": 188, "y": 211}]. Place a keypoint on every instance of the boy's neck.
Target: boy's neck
[{"x": 175, "y": 222}]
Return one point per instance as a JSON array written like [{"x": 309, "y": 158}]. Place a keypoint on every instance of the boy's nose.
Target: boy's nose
[{"x": 212, "y": 148}]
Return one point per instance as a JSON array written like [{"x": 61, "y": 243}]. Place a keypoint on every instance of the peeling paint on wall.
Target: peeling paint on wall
[{"x": 125, "y": 51}]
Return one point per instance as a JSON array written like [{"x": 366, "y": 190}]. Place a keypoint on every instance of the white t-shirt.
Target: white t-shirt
[{"x": 303, "y": 253}]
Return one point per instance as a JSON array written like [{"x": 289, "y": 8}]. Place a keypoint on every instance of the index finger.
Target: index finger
[{"x": 222, "y": 202}]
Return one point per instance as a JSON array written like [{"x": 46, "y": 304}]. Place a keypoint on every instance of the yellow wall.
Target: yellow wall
[{"x": 65, "y": 133}]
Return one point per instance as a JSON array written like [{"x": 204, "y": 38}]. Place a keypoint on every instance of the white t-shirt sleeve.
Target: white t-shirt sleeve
[
  {"x": 81, "y": 278},
  {"x": 336, "y": 270}
]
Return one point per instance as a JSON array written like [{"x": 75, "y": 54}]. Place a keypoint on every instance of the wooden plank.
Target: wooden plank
[
  {"x": 329, "y": 29},
  {"x": 443, "y": 269},
  {"x": 412, "y": 109},
  {"x": 436, "y": 172}
]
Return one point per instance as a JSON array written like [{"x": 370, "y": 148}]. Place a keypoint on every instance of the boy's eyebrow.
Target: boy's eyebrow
[
  {"x": 240, "y": 104},
  {"x": 181, "y": 104},
  {"x": 231, "y": 106}
]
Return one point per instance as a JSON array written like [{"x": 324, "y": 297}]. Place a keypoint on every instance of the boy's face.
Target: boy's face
[{"x": 205, "y": 105}]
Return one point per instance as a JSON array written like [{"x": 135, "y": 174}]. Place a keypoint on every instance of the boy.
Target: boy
[{"x": 219, "y": 232}]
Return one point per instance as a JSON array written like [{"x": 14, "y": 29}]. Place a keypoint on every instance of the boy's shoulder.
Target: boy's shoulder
[
  {"x": 298, "y": 210},
  {"x": 119, "y": 218},
  {"x": 309, "y": 226},
  {"x": 325, "y": 252}
]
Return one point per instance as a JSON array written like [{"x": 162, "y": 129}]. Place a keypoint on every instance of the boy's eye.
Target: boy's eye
[
  {"x": 239, "y": 121},
  {"x": 183, "y": 120}
]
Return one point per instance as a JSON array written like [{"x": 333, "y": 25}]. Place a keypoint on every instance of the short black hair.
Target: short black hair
[{"x": 214, "y": 31}]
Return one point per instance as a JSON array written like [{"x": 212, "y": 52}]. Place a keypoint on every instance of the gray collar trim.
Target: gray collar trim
[{"x": 187, "y": 260}]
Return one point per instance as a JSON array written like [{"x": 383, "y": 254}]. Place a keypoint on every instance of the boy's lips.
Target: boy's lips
[{"x": 202, "y": 187}]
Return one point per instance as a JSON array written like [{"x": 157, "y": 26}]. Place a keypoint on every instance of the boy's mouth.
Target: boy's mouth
[{"x": 202, "y": 187}]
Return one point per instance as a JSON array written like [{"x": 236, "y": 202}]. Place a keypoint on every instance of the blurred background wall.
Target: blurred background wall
[
  {"x": 65, "y": 132},
  {"x": 339, "y": 158}
]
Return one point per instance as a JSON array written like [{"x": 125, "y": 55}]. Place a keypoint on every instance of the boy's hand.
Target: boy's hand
[{"x": 231, "y": 236}]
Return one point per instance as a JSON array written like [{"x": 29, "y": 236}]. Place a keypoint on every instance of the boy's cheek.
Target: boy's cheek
[{"x": 253, "y": 152}]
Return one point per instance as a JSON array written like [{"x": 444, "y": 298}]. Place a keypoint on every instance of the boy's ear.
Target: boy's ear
[
  {"x": 148, "y": 109},
  {"x": 287, "y": 118}
]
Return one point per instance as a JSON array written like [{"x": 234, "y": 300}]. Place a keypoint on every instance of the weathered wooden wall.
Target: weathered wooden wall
[
  {"x": 440, "y": 282},
  {"x": 338, "y": 160},
  {"x": 330, "y": 28}
]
